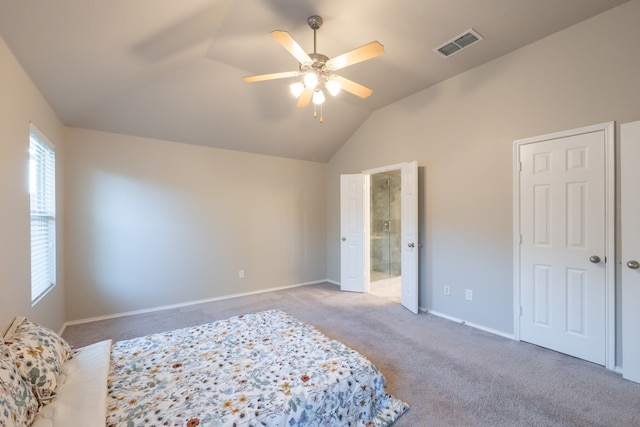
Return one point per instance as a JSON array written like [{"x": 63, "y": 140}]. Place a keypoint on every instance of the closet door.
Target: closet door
[
  {"x": 563, "y": 282},
  {"x": 564, "y": 272},
  {"x": 630, "y": 216}
]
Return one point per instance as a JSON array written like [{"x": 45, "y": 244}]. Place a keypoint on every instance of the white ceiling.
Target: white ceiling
[{"x": 172, "y": 69}]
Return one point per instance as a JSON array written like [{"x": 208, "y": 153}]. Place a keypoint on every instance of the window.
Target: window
[{"x": 42, "y": 189}]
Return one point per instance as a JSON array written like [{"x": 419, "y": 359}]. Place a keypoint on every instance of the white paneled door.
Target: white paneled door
[
  {"x": 563, "y": 244},
  {"x": 352, "y": 233},
  {"x": 409, "y": 240},
  {"x": 630, "y": 215}
]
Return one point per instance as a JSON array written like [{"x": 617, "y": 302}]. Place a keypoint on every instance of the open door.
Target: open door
[
  {"x": 410, "y": 244},
  {"x": 630, "y": 203},
  {"x": 352, "y": 271},
  {"x": 355, "y": 232}
]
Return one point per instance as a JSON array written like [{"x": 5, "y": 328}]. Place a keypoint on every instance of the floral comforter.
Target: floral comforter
[{"x": 261, "y": 369}]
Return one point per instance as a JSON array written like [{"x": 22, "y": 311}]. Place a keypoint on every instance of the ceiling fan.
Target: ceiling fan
[{"x": 318, "y": 69}]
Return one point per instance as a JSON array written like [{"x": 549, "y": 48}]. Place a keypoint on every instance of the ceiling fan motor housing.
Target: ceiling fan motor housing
[
  {"x": 314, "y": 22},
  {"x": 318, "y": 64}
]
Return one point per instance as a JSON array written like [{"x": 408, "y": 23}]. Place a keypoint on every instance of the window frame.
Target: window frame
[{"x": 42, "y": 213}]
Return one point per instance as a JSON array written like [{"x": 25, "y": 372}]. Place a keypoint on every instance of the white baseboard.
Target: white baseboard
[
  {"x": 261, "y": 291},
  {"x": 454, "y": 319},
  {"x": 185, "y": 304},
  {"x": 473, "y": 325}
]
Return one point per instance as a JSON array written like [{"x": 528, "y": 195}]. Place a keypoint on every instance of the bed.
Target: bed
[{"x": 258, "y": 369}]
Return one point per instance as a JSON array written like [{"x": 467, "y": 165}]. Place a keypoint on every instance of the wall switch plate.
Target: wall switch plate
[
  {"x": 447, "y": 290},
  {"x": 241, "y": 274},
  {"x": 469, "y": 295}
]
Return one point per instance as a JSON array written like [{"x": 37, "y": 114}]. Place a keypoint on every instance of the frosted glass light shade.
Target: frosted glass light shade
[
  {"x": 333, "y": 86},
  {"x": 310, "y": 79},
  {"x": 297, "y": 89},
  {"x": 318, "y": 97}
]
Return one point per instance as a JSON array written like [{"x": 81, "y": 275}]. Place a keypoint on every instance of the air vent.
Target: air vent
[{"x": 460, "y": 42}]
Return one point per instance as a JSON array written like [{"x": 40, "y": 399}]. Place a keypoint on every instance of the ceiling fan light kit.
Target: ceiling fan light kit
[
  {"x": 317, "y": 69},
  {"x": 333, "y": 86},
  {"x": 297, "y": 89}
]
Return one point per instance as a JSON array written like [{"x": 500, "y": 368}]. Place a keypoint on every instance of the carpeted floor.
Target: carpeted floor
[{"x": 450, "y": 374}]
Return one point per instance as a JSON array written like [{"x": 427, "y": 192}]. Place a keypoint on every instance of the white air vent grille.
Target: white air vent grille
[{"x": 458, "y": 43}]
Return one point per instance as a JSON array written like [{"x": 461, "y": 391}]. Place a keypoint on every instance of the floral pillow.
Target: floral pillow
[
  {"x": 18, "y": 405},
  {"x": 38, "y": 353}
]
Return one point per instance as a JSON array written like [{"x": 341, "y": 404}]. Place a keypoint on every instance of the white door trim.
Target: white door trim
[
  {"x": 397, "y": 166},
  {"x": 415, "y": 305},
  {"x": 609, "y": 139}
]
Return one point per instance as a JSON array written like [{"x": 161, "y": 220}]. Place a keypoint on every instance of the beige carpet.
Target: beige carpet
[{"x": 450, "y": 374}]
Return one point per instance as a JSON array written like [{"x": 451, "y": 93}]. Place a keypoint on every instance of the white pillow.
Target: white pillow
[{"x": 82, "y": 390}]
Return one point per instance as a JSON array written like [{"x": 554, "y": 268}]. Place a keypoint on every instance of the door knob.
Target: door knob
[
  {"x": 634, "y": 265},
  {"x": 344, "y": 239},
  {"x": 594, "y": 259}
]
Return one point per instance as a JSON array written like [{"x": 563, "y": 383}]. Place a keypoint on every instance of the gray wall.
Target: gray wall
[
  {"x": 20, "y": 103},
  {"x": 461, "y": 132},
  {"x": 153, "y": 223}
]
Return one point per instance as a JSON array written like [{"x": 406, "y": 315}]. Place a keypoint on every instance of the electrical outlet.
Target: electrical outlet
[
  {"x": 469, "y": 295},
  {"x": 447, "y": 290},
  {"x": 241, "y": 274}
]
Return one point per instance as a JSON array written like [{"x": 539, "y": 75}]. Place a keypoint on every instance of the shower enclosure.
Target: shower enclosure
[{"x": 385, "y": 223}]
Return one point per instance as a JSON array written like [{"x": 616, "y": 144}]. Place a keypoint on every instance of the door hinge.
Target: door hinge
[
  {"x": 520, "y": 310},
  {"x": 520, "y": 166},
  {"x": 521, "y": 239}
]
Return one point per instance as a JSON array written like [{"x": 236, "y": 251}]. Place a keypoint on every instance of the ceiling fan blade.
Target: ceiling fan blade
[
  {"x": 273, "y": 76},
  {"x": 305, "y": 97},
  {"x": 352, "y": 87},
  {"x": 362, "y": 53},
  {"x": 285, "y": 39}
]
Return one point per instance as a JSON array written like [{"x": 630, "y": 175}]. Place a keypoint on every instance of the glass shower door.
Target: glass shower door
[{"x": 385, "y": 226}]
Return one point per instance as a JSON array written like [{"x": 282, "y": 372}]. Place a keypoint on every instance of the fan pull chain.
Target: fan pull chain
[{"x": 315, "y": 112}]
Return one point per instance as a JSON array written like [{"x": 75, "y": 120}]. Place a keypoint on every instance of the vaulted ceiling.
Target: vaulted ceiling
[{"x": 173, "y": 70}]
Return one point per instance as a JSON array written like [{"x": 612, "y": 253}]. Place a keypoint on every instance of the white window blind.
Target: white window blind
[{"x": 42, "y": 188}]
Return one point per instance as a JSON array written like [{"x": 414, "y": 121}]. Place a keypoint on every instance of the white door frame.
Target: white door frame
[
  {"x": 410, "y": 245},
  {"x": 609, "y": 140}
]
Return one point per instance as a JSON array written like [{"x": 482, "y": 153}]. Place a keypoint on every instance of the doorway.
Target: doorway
[
  {"x": 355, "y": 230},
  {"x": 385, "y": 224}
]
